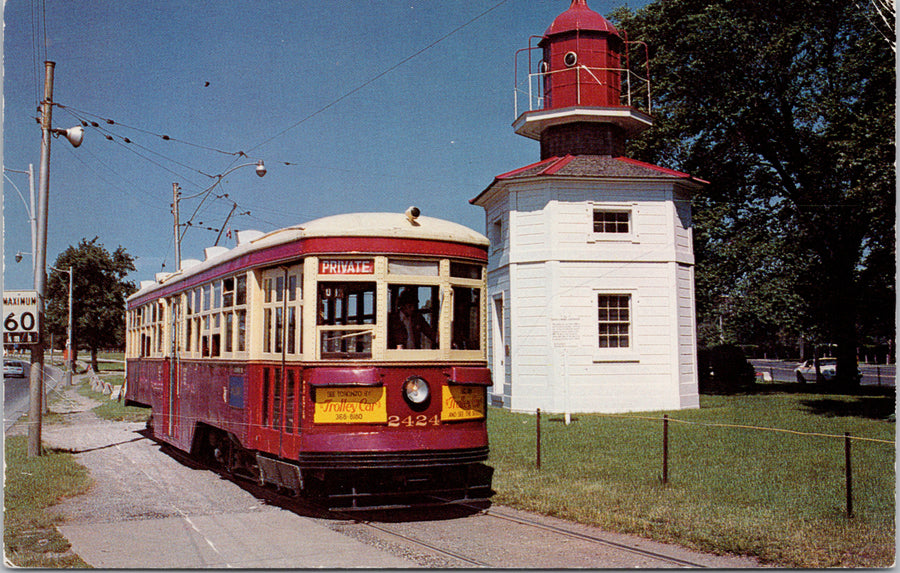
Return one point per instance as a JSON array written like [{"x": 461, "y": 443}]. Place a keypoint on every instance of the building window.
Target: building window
[
  {"x": 614, "y": 320},
  {"x": 496, "y": 234},
  {"x": 617, "y": 222}
]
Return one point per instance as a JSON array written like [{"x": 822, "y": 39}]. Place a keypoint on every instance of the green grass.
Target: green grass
[
  {"x": 112, "y": 409},
  {"x": 33, "y": 485},
  {"x": 777, "y": 496}
]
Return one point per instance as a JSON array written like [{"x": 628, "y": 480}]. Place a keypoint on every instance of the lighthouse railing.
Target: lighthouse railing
[{"x": 635, "y": 90}]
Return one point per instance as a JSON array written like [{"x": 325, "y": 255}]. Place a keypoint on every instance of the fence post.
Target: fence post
[
  {"x": 665, "y": 471},
  {"x": 538, "y": 438},
  {"x": 849, "y": 474}
]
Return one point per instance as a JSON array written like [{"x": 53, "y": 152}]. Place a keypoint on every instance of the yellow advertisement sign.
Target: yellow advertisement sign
[
  {"x": 462, "y": 403},
  {"x": 350, "y": 405}
]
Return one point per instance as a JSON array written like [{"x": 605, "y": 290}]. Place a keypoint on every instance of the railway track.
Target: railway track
[
  {"x": 380, "y": 522},
  {"x": 657, "y": 558},
  {"x": 655, "y": 555}
]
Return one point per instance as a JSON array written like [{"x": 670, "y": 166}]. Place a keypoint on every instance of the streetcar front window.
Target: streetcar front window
[
  {"x": 413, "y": 318},
  {"x": 344, "y": 311}
]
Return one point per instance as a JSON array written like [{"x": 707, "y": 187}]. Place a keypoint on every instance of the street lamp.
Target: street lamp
[
  {"x": 30, "y": 211},
  {"x": 69, "y": 360},
  {"x": 176, "y": 199},
  {"x": 75, "y": 136}
]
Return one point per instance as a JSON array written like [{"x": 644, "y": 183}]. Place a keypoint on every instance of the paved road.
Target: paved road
[
  {"x": 149, "y": 508},
  {"x": 16, "y": 392},
  {"x": 872, "y": 374}
]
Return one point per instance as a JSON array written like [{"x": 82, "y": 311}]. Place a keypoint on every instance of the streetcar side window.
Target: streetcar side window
[
  {"x": 465, "y": 270},
  {"x": 228, "y": 292},
  {"x": 229, "y": 330},
  {"x": 234, "y": 317},
  {"x": 241, "y": 330},
  {"x": 466, "y": 318},
  {"x": 413, "y": 317},
  {"x": 216, "y": 295},
  {"x": 241, "y": 290},
  {"x": 215, "y": 336}
]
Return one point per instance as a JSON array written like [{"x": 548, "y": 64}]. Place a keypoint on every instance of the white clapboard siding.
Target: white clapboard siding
[{"x": 551, "y": 264}]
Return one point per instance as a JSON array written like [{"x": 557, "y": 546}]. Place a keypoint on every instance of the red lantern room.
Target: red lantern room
[
  {"x": 576, "y": 104},
  {"x": 581, "y": 42}
]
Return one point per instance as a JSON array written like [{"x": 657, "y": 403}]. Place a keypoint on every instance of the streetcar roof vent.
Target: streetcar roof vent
[
  {"x": 188, "y": 263},
  {"x": 248, "y": 235},
  {"x": 160, "y": 277},
  {"x": 210, "y": 252}
]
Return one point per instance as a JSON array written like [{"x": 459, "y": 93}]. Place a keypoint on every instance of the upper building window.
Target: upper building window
[{"x": 617, "y": 222}]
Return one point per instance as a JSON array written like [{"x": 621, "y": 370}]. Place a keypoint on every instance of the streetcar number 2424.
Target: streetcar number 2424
[{"x": 410, "y": 421}]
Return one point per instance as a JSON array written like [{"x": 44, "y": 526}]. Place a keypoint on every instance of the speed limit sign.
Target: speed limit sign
[{"x": 20, "y": 317}]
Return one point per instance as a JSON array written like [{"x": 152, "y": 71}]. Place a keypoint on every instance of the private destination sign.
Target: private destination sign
[{"x": 346, "y": 267}]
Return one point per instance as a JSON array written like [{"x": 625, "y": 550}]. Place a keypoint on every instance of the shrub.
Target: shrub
[{"x": 724, "y": 369}]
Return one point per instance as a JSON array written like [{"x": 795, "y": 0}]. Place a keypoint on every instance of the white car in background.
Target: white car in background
[
  {"x": 13, "y": 369},
  {"x": 806, "y": 371}
]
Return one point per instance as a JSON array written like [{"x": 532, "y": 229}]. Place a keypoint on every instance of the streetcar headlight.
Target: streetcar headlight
[{"x": 416, "y": 390}]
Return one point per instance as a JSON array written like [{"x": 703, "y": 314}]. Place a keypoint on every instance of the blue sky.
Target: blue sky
[{"x": 306, "y": 86}]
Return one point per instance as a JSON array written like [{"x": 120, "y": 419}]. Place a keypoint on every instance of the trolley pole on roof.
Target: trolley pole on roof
[{"x": 176, "y": 196}]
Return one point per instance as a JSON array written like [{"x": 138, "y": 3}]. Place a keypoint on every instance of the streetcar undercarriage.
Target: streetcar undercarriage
[{"x": 400, "y": 480}]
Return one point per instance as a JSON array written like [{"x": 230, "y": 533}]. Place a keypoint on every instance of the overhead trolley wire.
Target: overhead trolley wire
[
  {"x": 162, "y": 136},
  {"x": 379, "y": 76}
]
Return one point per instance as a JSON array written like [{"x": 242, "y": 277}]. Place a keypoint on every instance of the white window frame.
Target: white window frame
[
  {"x": 630, "y": 353},
  {"x": 600, "y": 237}
]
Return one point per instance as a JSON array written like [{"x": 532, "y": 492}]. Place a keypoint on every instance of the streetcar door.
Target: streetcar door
[
  {"x": 171, "y": 413},
  {"x": 292, "y": 349},
  {"x": 282, "y": 344}
]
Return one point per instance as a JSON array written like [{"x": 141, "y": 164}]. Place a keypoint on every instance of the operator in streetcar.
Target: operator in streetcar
[{"x": 407, "y": 328}]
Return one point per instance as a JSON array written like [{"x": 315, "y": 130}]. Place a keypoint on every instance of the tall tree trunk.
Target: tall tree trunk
[{"x": 843, "y": 306}]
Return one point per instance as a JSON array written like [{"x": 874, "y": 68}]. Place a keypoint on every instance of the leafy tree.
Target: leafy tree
[
  {"x": 788, "y": 109},
  {"x": 98, "y": 296}
]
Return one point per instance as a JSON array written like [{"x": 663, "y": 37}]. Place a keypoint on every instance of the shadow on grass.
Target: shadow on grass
[
  {"x": 872, "y": 407},
  {"x": 872, "y": 402}
]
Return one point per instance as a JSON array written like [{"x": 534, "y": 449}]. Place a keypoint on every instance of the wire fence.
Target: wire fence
[{"x": 845, "y": 439}]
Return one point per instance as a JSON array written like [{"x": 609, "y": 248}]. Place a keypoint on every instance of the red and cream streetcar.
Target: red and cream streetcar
[{"x": 343, "y": 357}]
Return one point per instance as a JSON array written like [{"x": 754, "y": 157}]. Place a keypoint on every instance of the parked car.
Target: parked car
[
  {"x": 806, "y": 371},
  {"x": 13, "y": 369}
]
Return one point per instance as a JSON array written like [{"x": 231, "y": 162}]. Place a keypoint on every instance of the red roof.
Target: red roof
[
  {"x": 580, "y": 17},
  {"x": 602, "y": 166}
]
